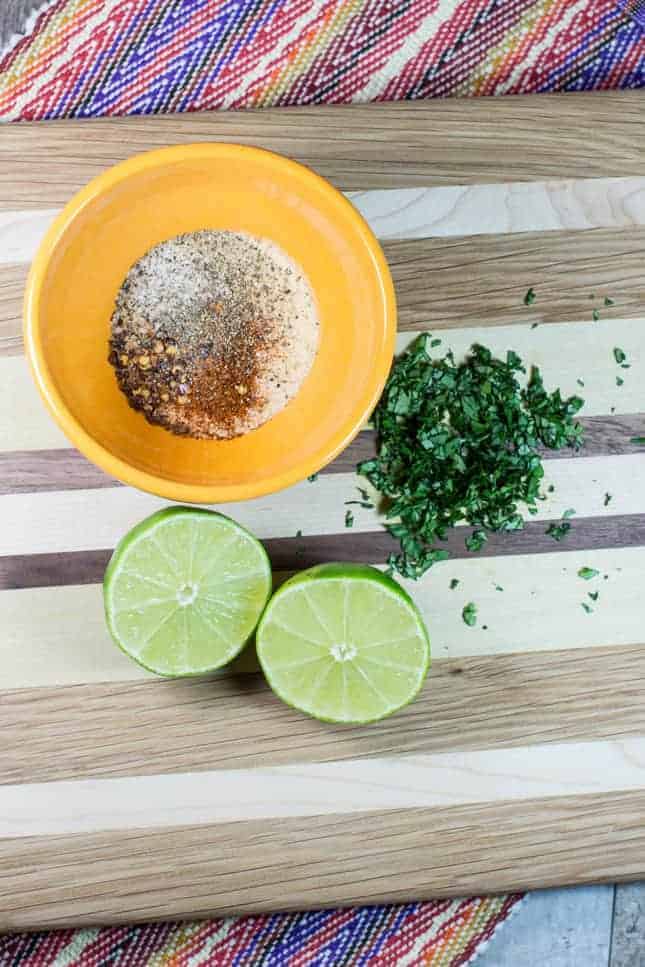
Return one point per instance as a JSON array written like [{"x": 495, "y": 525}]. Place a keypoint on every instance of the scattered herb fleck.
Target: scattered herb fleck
[
  {"x": 608, "y": 499},
  {"x": 435, "y": 342},
  {"x": 619, "y": 381},
  {"x": 498, "y": 587},
  {"x": 469, "y": 615},
  {"x": 534, "y": 325},
  {"x": 298, "y": 533},
  {"x": 595, "y": 315},
  {"x": 484, "y": 627},
  {"x": 460, "y": 441},
  {"x": 349, "y": 519},
  {"x": 593, "y": 595},
  {"x": 454, "y": 583},
  {"x": 580, "y": 382},
  {"x": 608, "y": 301},
  {"x": 558, "y": 531},
  {"x": 640, "y": 440},
  {"x": 587, "y": 573},
  {"x": 313, "y": 477},
  {"x": 530, "y": 297},
  {"x": 619, "y": 354},
  {"x": 612, "y": 409},
  {"x": 551, "y": 488},
  {"x": 569, "y": 512},
  {"x": 476, "y": 540},
  {"x": 587, "y": 607}
]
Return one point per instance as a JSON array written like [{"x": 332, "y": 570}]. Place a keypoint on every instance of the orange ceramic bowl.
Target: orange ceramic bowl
[{"x": 133, "y": 206}]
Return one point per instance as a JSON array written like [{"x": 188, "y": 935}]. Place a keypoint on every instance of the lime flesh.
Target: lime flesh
[
  {"x": 184, "y": 591},
  {"x": 343, "y": 643}
]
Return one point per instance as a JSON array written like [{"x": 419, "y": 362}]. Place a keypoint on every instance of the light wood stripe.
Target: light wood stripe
[
  {"x": 322, "y": 789},
  {"x": 426, "y": 143},
  {"x": 265, "y": 866},
  {"x": 446, "y": 283},
  {"x": 143, "y": 728},
  {"x": 464, "y": 210},
  {"x": 291, "y": 864},
  {"x": 79, "y": 520},
  {"x": 416, "y": 213},
  {"x": 57, "y": 635},
  {"x": 566, "y": 353},
  {"x": 40, "y": 471}
]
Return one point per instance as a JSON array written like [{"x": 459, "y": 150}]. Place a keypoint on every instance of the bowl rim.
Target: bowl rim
[{"x": 114, "y": 465}]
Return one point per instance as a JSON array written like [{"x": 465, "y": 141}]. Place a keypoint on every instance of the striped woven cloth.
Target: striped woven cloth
[
  {"x": 93, "y": 57},
  {"x": 81, "y": 58}
]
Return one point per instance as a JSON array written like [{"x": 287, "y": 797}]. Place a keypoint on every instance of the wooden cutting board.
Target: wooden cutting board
[{"x": 124, "y": 797}]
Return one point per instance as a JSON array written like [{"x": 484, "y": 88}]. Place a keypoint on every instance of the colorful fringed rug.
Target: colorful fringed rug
[{"x": 80, "y": 58}]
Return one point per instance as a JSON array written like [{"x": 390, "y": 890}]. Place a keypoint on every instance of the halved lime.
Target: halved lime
[
  {"x": 343, "y": 643},
  {"x": 184, "y": 591}
]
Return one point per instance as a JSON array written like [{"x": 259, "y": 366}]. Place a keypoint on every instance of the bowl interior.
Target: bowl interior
[{"x": 154, "y": 197}]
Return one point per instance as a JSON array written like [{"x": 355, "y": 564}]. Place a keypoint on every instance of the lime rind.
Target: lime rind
[{"x": 184, "y": 591}]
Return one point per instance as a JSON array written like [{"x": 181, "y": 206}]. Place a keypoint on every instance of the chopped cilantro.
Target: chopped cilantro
[
  {"x": 587, "y": 573},
  {"x": 608, "y": 499},
  {"x": 550, "y": 488},
  {"x": 619, "y": 354},
  {"x": 349, "y": 519},
  {"x": 530, "y": 297},
  {"x": 640, "y": 440},
  {"x": 298, "y": 533},
  {"x": 435, "y": 342},
  {"x": 569, "y": 512},
  {"x": 593, "y": 595},
  {"x": 454, "y": 583},
  {"x": 595, "y": 315},
  {"x": 534, "y": 325},
  {"x": 619, "y": 381},
  {"x": 313, "y": 477},
  {"x": 469, "y": 615},
  {"x": 580, "y": 382},
  {"x": 461, "y": 441},
  {"x": 498, "y": 587},
  {"x": 587, "y": 607},
  {"x": 608, "y": 301}
]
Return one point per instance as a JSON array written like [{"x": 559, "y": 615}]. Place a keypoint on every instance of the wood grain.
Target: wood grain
[
  {"x": 474, "y": 281},
  {"x": 307, "y": 864},
  {"x": 426, "y": 143},
  {"x": 235, "y": 722}
]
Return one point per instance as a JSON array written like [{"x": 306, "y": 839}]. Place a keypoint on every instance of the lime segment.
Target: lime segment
[
  {"x": 184, "y": 591},
  {"x": 343, "y": 643}
]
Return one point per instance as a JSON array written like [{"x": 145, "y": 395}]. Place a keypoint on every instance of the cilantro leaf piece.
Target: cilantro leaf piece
[
  {"x": 569, "y": 512},
  {"x": 298, "y": 533},
  {"x": 498, "y": 587},
  {"x": 608, "y": 301},
  {"x": 619, "y": 381},
  {"x": 349, "y": 519},
  {"x": 558, "y": 531},
  {"x": 587, "y": 573},
  {"x": 640, "y": 440},
  {"x": 619, "y": 354},
  {"x": 608, "y": 499},
  {"x": 313, "y": 477},
  {"x": 595, "y": 315},
  {"x": 593, "y": 595},
  {"x": 469, "y": 615},
  {"x": 454, "y": 583},
  {"x": 530, "y": 297},
  {"x": 476, "y": 540},
  {"x": 587, "y": 607}
]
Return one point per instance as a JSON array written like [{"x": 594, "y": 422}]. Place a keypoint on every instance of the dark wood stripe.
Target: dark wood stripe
[
  {"x": 272, "y": 865},
  {"x": 533, "y": 138},
  {"x": 39, "y": 471},
  {"x": 235, "y": 722},
  {"x": 449, "y": 283},
  {"x": 372, "y": 547}
]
